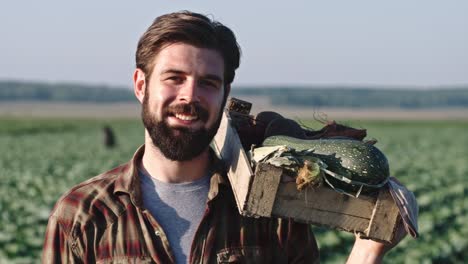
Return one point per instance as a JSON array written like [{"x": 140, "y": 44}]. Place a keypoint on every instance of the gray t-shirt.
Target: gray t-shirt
[{"x": 178, "y": 208}]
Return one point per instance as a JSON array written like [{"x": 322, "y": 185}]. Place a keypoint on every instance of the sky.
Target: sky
[{"x": 420, "y": 43}]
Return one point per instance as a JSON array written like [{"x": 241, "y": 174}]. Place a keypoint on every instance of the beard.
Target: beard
[{"x": 179, "y": 143}]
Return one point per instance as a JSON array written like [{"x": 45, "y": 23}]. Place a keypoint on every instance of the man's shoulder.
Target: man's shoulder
[{"x": 92, "y": 200}]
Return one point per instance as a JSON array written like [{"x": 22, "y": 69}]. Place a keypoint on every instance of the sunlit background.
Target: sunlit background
[
  {"x": 397, "y": 68},
  {"x": 420, "y": 43}
]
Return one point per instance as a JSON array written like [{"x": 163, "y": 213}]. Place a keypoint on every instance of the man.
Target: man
[{"x": 172, "y": 203}]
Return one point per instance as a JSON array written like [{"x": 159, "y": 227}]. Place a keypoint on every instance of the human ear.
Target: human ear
[{"x": 139, "y": 84}]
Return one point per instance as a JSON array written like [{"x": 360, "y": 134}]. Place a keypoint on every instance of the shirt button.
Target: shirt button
[{"x": 157, "y": 233}]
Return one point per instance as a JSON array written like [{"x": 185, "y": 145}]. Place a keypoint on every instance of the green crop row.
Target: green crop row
[
  {"x": 41, "y": 159},
  {"x": 430, "y": 158}
]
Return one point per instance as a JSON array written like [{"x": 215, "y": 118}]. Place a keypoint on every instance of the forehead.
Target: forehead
[{"x": 189, "y": 59}]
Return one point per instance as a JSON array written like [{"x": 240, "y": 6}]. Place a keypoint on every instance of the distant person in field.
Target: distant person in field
[
  {"x": 109, "y": 137},
  {"x": 172, "y": 202}
]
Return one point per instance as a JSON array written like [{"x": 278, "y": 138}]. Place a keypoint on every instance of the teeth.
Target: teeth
[{"x": 185, "y": 117}]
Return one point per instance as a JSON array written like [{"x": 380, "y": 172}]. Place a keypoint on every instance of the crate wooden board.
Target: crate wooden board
[{"x": 262, "y": 194}]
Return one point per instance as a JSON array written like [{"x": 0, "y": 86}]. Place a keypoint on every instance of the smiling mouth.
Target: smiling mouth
[
  {"x": 188, "y": 113},
  {"x": 186, "y": 117}
]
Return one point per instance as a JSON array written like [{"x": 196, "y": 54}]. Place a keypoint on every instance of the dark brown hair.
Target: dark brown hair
[{"x": 190, "y": 28}]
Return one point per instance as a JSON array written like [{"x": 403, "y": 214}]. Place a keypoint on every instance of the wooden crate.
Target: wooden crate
[{"x": 262, "y": 194}]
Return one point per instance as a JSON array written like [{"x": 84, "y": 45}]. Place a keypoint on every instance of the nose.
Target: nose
[{"x": 189, "y": 92}]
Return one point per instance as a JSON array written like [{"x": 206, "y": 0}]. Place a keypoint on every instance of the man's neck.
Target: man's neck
[{"x": 166, "y": 170}]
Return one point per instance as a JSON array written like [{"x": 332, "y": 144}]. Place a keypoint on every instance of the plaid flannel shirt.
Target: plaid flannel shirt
[{"x": 102, "y": 220}]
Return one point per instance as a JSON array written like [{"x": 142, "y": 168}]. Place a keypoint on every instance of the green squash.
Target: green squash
[{"x": 354, "y": 164}]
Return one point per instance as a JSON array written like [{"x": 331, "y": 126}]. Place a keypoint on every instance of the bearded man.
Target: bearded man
[{"x": 172, "y": 202}]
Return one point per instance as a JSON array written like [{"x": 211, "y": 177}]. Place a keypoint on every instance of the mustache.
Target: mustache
[{"x": 188, "y": 109}]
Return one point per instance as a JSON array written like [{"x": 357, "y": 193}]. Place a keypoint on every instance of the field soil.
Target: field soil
[
  {"x": 132, "y": 110},
  {"x": 72, "y": 110}
]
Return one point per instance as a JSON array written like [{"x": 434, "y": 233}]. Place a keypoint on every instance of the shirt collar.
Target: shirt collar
[{"x": 129, "y": 181}]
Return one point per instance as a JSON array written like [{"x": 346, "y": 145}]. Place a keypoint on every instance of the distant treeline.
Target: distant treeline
[
  {"x": 58, "y": 92},
  {"x": 299, "y": 96},
  {"x": 362, "y": 97}
]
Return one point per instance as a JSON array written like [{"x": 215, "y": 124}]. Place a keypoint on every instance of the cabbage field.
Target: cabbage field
[{"x": 41, "y": 159}]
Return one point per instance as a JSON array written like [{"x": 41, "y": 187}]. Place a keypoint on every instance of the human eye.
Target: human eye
[
  {"x": 210, "y": 83},
  {"x": 175, "y": 79}
]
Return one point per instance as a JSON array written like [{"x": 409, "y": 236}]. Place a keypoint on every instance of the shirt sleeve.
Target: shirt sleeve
[
  {"x": 57, "y": 246},
  {"x": 298, "y": 241}
]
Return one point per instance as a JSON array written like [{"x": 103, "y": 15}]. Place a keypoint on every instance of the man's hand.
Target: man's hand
[{"x": 369, "y": 251}]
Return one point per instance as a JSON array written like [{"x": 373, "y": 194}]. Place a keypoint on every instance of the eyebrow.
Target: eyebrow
[
  {"x": 172, "y": 71},
  {"x": 213, "y": 77}
]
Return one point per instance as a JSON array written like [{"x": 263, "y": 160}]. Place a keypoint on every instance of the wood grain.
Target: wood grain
[
  {"x": 229, "y": 148},
  {"x": 384, "y": 218},
  {"x": 262, "y": 195}
]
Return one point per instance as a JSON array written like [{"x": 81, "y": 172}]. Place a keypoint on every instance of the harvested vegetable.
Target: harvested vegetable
[{"x": 352, "y": 166}]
